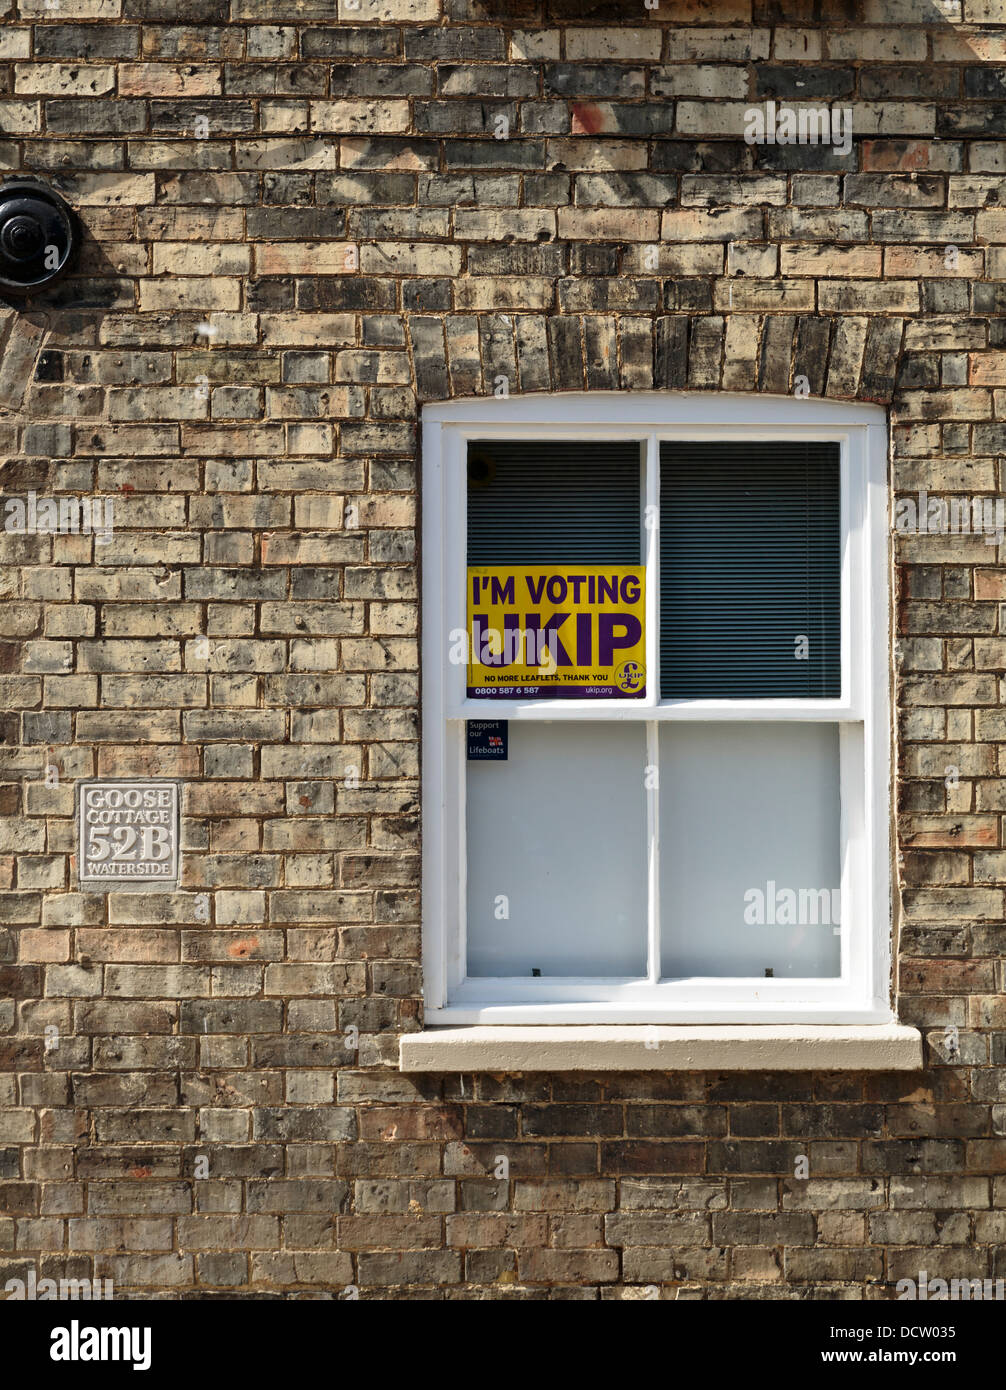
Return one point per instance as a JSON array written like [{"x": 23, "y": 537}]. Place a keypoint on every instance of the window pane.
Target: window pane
[
  {"x": 557, "y": 839},
  {"x": 550, "y": 501},
  {"x": 750, "y": 862},
  {"x": 750, "y": 570}
]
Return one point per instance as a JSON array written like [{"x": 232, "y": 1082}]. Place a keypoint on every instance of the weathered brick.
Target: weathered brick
[{"x": 298, "y": 228}]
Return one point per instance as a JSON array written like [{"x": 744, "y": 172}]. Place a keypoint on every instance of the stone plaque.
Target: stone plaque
[{"x": 128, "y": 834}]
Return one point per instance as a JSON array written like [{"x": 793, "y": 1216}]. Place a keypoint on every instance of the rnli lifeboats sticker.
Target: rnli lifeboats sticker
[
  {"x": 487, "y": 740},
  {"x": 557, "y": 632}
]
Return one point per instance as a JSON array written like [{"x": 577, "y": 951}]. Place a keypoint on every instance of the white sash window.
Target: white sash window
[{"x": 717, "y": 849}]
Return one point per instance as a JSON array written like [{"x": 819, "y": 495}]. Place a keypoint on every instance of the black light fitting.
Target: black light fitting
[{"x": 38, "y": 237}]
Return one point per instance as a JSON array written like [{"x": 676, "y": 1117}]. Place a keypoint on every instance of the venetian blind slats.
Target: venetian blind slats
[
  {"x": 552, "y": 502},
  {"x": 750, "y": 570}
]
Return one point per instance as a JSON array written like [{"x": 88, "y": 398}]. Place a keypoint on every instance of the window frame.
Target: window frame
[{"x": 861, "y": 994}]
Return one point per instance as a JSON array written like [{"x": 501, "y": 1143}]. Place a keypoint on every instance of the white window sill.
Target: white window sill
[{"x": 686, "y": 1047}]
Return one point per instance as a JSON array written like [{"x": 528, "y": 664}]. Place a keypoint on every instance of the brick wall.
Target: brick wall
[{"x": 297, "y": 230}]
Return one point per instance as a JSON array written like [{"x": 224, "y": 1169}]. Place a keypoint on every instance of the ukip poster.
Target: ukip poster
[{"x": 556, "y": 632}]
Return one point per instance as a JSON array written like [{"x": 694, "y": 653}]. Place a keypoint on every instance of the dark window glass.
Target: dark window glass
[
  {"x": 534, "y": 503},
  {"x": 750, "y": 570}
]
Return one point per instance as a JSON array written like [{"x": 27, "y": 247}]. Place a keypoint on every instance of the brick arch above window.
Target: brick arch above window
[{"x": 841, "y": 357}]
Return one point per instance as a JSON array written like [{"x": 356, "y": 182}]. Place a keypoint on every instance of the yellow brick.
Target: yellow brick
[
  {"x": 869, "y": 296},
  {"x": 165, "y": 80},
  {"x": 609, "y": 224},
  {"x": 746, "y": 294},
  {"x": 987, "y": 369},
  {"x": 483, "y": 292},
  {"x": 830, "y": 260},
  {"x": 306, "y": 258},
  {"x": 204, "y": 293},
  {"x": 63, "y": 79},
  {"x": 612, "y": 44},
  {"x": 910, "y": 260},
  {"x": 181, "y": 258},
  {"x": 363, "y": 117}
]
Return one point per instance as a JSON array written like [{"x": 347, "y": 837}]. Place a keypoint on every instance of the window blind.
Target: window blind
[
  {"x": 750, "y": 570},
  {"x": 531, "y": 503}
]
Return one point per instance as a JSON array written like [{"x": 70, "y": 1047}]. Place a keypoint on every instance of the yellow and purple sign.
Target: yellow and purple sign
[{"x": 543, "y": 632}]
